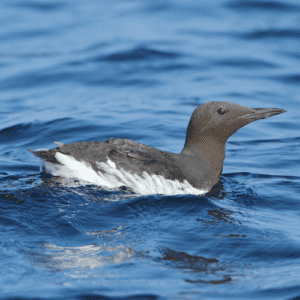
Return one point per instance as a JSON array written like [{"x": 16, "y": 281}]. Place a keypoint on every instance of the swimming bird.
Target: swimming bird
[{"x": 147, "y": 170}]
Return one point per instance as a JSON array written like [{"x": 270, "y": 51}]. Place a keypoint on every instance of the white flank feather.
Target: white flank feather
[{"x": 114, "y": 178}]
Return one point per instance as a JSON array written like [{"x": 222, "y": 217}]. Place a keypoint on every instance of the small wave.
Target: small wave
[
  {"x": 140, "y": 53},
  {"x": 270, "y": 34},
  {"x": 289, "y": 79},
  {"x": 245, "y": 63},
  {"x": 262, "y": 5},
  {"x": 40, "y": 5}
]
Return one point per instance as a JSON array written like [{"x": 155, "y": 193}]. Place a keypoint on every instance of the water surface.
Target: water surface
[{"x": 90, "y": 70}]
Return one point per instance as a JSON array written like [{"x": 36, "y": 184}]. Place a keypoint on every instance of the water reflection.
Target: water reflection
[
  {"x": 81, "y": 259},
  {"x": 210, "y": 268}
]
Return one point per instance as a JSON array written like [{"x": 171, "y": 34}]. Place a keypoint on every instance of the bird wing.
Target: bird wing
[{"x": 126, "y": 154}]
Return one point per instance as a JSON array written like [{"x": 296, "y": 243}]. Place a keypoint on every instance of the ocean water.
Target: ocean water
[{"x": 89, "y": 70}]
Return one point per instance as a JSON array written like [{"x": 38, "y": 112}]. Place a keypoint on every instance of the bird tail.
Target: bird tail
[{"x": 44, "y": 154}]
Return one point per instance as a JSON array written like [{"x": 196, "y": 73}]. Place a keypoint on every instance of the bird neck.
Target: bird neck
[
  {"x": 210, "y": 153},
  {"x": 210, "y": 149}
]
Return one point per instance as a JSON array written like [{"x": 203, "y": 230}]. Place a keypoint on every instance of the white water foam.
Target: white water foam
[{"x": 114, "y": 178}]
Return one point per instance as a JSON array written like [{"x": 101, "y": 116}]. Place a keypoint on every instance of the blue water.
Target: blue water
[{"x": 89, "y": 70}]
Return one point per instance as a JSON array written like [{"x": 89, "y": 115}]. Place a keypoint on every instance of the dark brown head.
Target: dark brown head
[{"x": 217, "y": 121}]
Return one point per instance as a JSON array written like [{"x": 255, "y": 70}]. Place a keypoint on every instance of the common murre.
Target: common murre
[{"x": 147, "y": 170}]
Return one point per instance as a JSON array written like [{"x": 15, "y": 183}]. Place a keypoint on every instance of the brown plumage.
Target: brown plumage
[{"x": 201, "y": 160}]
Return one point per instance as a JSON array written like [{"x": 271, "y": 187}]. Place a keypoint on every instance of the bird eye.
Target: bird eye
[{"x": 221, "y": 111}]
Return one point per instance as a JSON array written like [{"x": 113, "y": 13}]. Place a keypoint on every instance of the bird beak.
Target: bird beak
[{"x": 262, "y": 113}]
